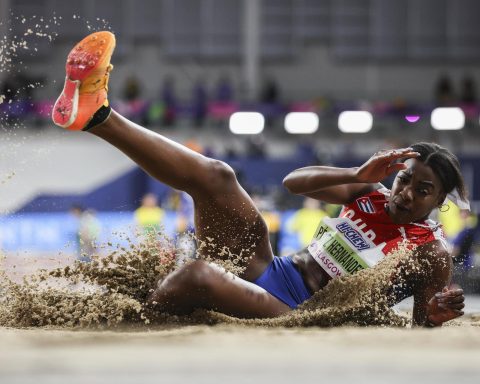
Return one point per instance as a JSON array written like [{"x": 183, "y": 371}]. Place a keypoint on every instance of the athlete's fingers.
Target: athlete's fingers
[
  {"x": 458, "y": 293},
  {"x": 451, "y": 300},
  {"x": 400, "y": 150},
  {"x": 449, "y": 295},
  {"x": 393, "y": 155},
  {"x": 451, "y": 307},
  {"x": 457, "y": 312},
  {"x": 449, "y": 292},
  {"x": 410, "y": 155}
]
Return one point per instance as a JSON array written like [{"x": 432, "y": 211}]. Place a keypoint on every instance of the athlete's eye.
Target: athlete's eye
[
  {"x": 423, "y": 192},
  {"x": 402, "y": 179}
]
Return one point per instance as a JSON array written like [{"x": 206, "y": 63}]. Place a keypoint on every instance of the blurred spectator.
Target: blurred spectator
[
  {"x": 185, "y": 244},
  {"x": 87, "y": 232},
  {"x": 149, "y": 216},
  {"x": 443, "y": 93},
  {"x": 223, "y": 104},
  {"x": 305, "y": 221},
  {"x": 332, "y": 210},
  {"x": 132, "y": 106},
  {"x": 185, "y": 212},
  {"x": 451, "y": 219},
  {"x": 269, "y": 102},
  {"x": 464, "y": 241},
  {"x": 270, "y": 92},
  {"x": 155, "y": 113},
  {"x": 199, "y": 103},
  {"x": 468, "y": 92},
  {"x": 131, "y": 89},
  {"x": 256, "y": 146},
  {"x": 468, "y": 100},
  {"x": 272, "y": 218},
  {"x": 224, "y": 90},
  {"x": 18, "y": 96},
  {"x": 169, "y": 100}
]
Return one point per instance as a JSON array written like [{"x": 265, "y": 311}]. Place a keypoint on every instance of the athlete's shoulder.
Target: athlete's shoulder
[
  {"x": 426, "y": 232},
  {"x": 435, "y": 251}
]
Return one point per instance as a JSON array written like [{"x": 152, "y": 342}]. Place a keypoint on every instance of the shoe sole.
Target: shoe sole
[{"x": 82, "y": 61}]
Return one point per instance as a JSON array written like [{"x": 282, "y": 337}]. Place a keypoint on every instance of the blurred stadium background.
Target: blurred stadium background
[{"x": 408, "y": 68}]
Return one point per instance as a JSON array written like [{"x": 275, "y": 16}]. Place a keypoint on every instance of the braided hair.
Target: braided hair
[{"x": 444, "y": 164}]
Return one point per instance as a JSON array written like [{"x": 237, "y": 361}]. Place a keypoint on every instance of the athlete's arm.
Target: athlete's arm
[
  {"x": 343, "y": 185},
  {"x": 435, "y": 300},
  {"x": 329, "y": 184}
]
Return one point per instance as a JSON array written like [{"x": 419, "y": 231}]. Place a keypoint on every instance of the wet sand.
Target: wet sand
[{"x": 234, "y": 354}]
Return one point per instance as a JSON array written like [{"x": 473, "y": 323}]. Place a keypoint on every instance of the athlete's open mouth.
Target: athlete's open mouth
[{"x": 401, "y": 207}]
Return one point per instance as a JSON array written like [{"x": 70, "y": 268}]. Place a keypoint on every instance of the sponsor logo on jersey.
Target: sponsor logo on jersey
[
  {"x": 361, "y": 225},
  {"x": 353, "y": 236},
  {"x": 365, "y": 205}
]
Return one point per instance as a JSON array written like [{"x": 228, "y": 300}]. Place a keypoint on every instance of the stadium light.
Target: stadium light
[
  {"x": 246, "y": 123},
  {"x": 355, "y": 121},
  {"x": 301, "y": 122},
  {"x": 451, "y": 118}
]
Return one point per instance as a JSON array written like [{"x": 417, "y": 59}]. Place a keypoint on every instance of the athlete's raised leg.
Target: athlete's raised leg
[{"x": 226, "y": 219}]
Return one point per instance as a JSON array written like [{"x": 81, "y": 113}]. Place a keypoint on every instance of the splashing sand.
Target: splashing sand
[
  {"x": 364, "y": 298},
  {"x": 112, "y": 291}
]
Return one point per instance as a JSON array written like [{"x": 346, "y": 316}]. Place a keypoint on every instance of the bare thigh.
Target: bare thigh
[
  {"x": 206, "y": 285},
  {"x": 229, "y": 226},
  {"x": 227, "y": 222}
]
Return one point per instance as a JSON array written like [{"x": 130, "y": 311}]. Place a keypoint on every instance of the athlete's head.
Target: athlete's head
[{"x": 425, "y": 183}]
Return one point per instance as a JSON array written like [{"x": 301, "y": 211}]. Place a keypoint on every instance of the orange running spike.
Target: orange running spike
[{"x": 86, "y": 83}]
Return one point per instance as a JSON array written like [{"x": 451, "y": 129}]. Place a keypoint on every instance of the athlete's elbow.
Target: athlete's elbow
[{"x": 288, "y": 183}]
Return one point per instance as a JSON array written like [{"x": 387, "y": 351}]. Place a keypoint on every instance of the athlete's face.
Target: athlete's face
[{"x": 416, "y": 191}]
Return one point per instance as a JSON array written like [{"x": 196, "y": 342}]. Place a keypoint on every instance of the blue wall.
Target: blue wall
[
  {"x": 125, "y": 192},
  {"x": 45, "y": 233}
]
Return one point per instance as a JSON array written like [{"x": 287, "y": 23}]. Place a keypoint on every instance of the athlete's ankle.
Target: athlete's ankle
[{"x": 99, "y": 118}]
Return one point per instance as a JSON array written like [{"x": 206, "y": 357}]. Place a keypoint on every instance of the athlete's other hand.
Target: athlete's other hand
[
  {"x": 382, "y": 164},
  {"x": 446, "y": 305}
]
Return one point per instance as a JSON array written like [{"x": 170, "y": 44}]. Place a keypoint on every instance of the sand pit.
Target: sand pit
[{"x": 234, "y": 354}]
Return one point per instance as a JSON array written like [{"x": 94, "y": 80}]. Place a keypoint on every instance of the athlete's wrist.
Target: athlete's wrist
[
  {"x": 431, "y": 324},
  {"x": 354, "y": 174}
]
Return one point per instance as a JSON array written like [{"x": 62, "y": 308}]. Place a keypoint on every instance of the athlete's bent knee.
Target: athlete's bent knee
[
  {"x": 189, "y": 277},
  {"x": 198, "y": 275},
  {"x": 191, "y": 280},
  {"x": 220, "y": 174}
]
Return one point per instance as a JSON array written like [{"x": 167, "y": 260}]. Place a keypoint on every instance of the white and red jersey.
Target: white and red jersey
[
  {"x": 369, "y": 213},
  {"x": 363, "y": 234}
]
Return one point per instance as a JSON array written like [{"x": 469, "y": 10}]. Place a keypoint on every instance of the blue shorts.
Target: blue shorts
[{"x": 282, "y": 280}]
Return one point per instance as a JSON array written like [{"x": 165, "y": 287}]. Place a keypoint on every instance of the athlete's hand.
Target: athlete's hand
[
  {"x": 446, "y": 305},
  {"x": 382, "y": 164}
]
